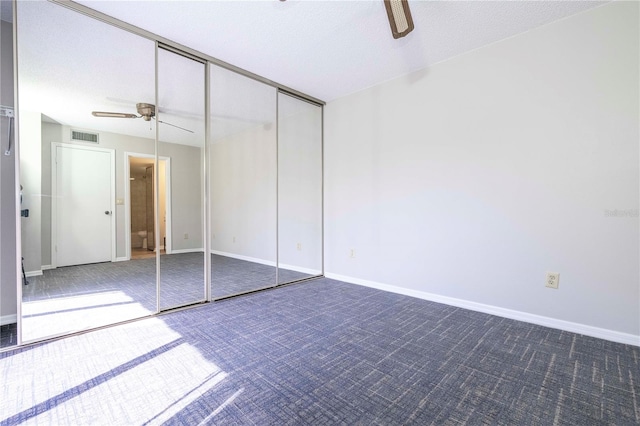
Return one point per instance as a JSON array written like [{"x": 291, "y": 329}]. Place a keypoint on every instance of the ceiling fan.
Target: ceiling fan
[
  {"x": 399, "y": 17},
  {"x": 146, "y": 111}
]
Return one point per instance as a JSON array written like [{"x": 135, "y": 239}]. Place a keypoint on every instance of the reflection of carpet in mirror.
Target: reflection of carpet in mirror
[
  {"x": 136, "y": 278},
  {"x": 8, "y": 335},
  {"x": 87, "y": 296}
]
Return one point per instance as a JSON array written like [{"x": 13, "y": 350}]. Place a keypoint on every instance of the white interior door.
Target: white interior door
[{"x": 84, "y": 194}]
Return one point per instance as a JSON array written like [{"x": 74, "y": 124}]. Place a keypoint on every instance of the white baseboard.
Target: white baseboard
[
  {"x": 268, "y": 262},
  {"x": 195, "y": 250},
  {"x": 241, "y": 257},
  {"x": 587, "y": 330},
  {"x": 33, "y": 273},
  {"x": 8, "y": 319},
  {"x": 121, "y": 259},
  {"x": 307, "y": 271},
  {"x": 47, "y": 267}
]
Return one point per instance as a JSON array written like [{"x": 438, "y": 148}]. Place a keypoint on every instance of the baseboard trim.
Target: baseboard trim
[
  {"x": 195, "y": 250},
  {"x": 241, "y": 257},
  {"x": 301, "y": 269},
  {"x": 47, "y": 267},
  {"x": 121, "y": 259},
  {"x": 29, "y": 274},
  {"x": 8, "y": 319},
  {"x": 587, "y": 330}
]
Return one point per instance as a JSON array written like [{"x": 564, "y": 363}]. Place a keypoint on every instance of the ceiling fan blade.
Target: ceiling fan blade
[
  {"x": 113, "y": 114},
  {"x": 399, "y": 17},
  {"x": 173, "y": 125},
  {"x": 146, "y": 111}
]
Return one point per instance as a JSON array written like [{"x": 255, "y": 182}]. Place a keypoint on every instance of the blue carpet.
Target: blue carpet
[{"x": 323, "y": 352}]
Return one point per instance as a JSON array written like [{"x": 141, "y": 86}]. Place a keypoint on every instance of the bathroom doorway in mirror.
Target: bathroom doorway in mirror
[{"x": 140, "y": 194}]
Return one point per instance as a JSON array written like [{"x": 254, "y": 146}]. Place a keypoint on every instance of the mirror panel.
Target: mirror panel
[
  {"x": 242, "y": 164},
  {"x": 299, "y": 189},
  {"x": 180, "y": 180},
  {"x": 75, "y": 170}
]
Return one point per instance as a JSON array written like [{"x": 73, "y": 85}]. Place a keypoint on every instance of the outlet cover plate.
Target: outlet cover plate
[{"x": 553, "y": 280}]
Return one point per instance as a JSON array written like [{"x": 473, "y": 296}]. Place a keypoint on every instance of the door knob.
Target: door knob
[{"x": 107, "y": 212}]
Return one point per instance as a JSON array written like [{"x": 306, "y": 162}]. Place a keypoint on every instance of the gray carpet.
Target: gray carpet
[{"x": 323, "y": 352}]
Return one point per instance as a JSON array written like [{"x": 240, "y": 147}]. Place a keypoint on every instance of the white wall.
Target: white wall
[
  {"x": 468, "y": 181},
  {"x": 7, "y": 185}
]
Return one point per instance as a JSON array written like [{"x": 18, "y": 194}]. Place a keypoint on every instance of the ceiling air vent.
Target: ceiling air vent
[{"x": 84, "y": 136}]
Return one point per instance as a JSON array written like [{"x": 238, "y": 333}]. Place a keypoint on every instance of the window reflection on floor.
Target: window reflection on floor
[
  {"x": 133, "y": 374},
  {"x": 53, "y": 317}
]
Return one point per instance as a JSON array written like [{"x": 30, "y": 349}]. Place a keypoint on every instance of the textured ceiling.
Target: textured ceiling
[
  {"x": 329, "y": 49},
  {"x": 326, "y": 49}
]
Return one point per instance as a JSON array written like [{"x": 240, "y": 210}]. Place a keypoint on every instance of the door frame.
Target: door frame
[
  {"x": 127, "y": 199},
  {"x": 54, "y": 195}
]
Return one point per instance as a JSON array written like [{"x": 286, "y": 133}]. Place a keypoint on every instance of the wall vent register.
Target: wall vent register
[{"x": 84, "y": 136}]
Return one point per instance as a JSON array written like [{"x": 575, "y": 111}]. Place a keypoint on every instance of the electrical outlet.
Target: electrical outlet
[
  {"x": 186, "y": 236},
  {"x": 553, "y": 279},
  {"x": 299, "y": 246},
  {"x": 352, "y": 254}
]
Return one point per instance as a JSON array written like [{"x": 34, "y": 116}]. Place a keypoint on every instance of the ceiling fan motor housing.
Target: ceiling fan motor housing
[{"x": 146, "y": 111}]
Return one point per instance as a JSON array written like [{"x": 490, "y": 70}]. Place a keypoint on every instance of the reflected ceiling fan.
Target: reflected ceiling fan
[
  {"x": 185, "y": 114},
  {"x": 146, "y": 111}
]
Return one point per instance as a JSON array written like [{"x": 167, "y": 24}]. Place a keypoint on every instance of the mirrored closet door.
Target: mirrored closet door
[
  {"x": 299, "y": 189},
  {"x": 79, "y": 172},
  {"x": 242, "y": 164},
  {"x": 135, "y": 203},
  {"x": 179, "y": 179}
]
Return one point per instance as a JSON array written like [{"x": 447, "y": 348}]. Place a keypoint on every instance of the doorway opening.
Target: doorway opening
[{"x": 141, "y": 223}]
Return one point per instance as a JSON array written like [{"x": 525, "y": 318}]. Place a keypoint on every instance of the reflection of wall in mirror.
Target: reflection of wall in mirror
[
  {"x": 186, "y": 158},
  {"x": 162, "y": 200},
  {"x": 299, "y": 186},
  {"x": 243, "y": 194},
  {"x": 31, "y": 180},
  {"x": 186, "y": 195}
]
